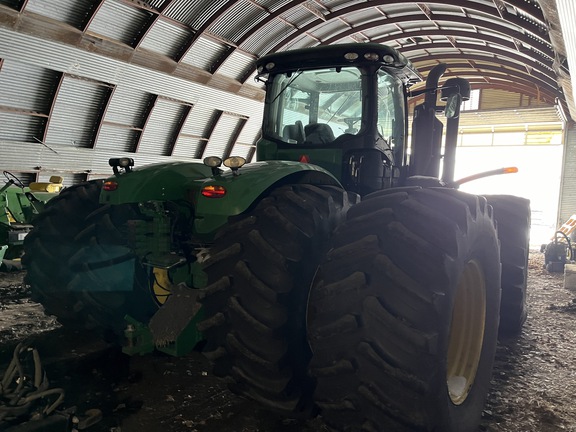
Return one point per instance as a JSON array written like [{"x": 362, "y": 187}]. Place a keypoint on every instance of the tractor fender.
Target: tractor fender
[
  {"x": 155, "y": 182},
  {"x": 247, "y": 187}
]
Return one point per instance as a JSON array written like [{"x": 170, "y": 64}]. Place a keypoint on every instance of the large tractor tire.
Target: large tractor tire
[
  {"x": 259, "y": 272},
  {"x": 110, "y": 278},
  {"x": 512, "y": 215},
  {"x": 403, "y": 314},
  {"x": 77, "y": 264},
  {"x": 49, "y": 246}
]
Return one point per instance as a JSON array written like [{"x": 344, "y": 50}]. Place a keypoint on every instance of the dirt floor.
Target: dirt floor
[{"x": 533, "y": 385}]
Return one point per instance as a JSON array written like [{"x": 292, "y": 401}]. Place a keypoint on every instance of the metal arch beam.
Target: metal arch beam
[
  {"x": 214, "y": 121},
  {"x": 493, "y": 67},
  {"x": 52, "y": 105},
  {"x": 553, "y": 90},
  {"x": 476, "y": 79},
  {"x": 102, "y": 115},
  {"x": 513, "y": 58},
  {"x": 418, "y": 17},
  {"x": 146, "y": 115},
  {"x": 234, "y": 136},
  {"x": 516, "y": 88},
  {"x": 247, "y": 35},
  {"x": 497, "y": 40},
  {"x": 186, "y": 109},
  {"x": 519, "y": 4},
  {"x": 156, "y": 14},
  {"x": 91, "y": 14},
  {"x": 204, "y": 27},
  {"x": 529, "y": 8},
  {"x": 531, "y": 42}
]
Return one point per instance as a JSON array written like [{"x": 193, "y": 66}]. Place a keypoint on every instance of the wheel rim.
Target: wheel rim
[{"x": 466, "y": 332}]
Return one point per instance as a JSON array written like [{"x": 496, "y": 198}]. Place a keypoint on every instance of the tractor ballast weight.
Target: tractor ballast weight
[{"x": 232, "y": 258}]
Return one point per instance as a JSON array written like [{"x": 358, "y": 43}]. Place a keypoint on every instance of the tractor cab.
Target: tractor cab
[{"x": 340, "y": 107}]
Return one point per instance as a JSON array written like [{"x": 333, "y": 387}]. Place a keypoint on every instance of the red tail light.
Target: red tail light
[
  {"x": 110, "y": 186},
  {"x": 213, "y": 191}
]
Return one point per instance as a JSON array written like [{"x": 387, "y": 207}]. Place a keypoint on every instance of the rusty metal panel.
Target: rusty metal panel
[{"x": 166, "y": 38}]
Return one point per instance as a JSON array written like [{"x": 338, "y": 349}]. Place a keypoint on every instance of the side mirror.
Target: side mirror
[{"x": 453, "y": 103}]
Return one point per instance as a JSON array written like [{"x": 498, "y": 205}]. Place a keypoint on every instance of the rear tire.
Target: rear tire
[
  {"x": 49, "y": 246},
  {"x": 72, "y": 231},
  {"x": 512, "y": 215},
  {"x": 403, "y": 314},
  {"x": 259, "y": 273}
]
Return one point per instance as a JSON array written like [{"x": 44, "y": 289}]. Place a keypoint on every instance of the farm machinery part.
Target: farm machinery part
[
  {"x": 19, "y": 205},
  {"x": 327, "y": 260},
  {"x": 558, "y": 252}
]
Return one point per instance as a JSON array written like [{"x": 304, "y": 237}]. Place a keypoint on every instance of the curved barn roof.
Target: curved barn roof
[{"x": 84, "y": 80}]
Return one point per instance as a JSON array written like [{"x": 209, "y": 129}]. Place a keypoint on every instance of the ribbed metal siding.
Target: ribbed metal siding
[
  {"x": 238, "y": 20},
  {"x": 20, "y": 127},
  {"x": 247, "y": 137},
  {"x": 237, "y": 65},
  {"x": 127, "y": 106},
  {"x": 165, "y": 38},
  {"x": 204, "y": 53},
  {"x": 71, "y": 12},
  {"x": 115, "y": 139},
  {"x": 220, "y": 138},
  {"x": 194, "y": 13},
  {"x": 186, "y": 147},
  {"x": 265, "y": 38},
  {"x": 76, "y": 113},
  {"x": 199, "y": 121},
  {"x": 119, "y": 21},
  {"x": 26, "y": 87},
  {"x": 567, "y": 201},
  {"x": 567, "y": 15},
  {"x": 160, "y": 128}
]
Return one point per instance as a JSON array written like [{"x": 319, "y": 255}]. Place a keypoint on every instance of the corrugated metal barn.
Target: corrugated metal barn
[{"x": 258, "y": 182}]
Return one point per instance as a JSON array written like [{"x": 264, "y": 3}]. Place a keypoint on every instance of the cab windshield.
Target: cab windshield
[{"x": 314, "y": 107}]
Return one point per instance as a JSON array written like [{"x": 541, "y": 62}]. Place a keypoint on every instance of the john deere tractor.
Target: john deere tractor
[
  {"x": 19, "y": 206},
  {"x": 338, "y": 273}
]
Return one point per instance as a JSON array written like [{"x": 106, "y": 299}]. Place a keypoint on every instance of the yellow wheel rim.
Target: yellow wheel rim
[{"x": 466, "y": 332}]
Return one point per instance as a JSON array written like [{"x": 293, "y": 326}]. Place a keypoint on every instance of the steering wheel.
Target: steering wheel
[{"x": 13, "y": 179}]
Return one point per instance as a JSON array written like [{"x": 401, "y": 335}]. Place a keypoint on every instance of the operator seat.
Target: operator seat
[
  {"x": 318, "y": 133},
  {"x": 294, "y": 132}
]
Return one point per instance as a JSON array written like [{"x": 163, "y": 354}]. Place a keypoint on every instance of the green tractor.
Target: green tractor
[
  {"x": 19, "y": 206},
  {"x": 337, "y": 273}
]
